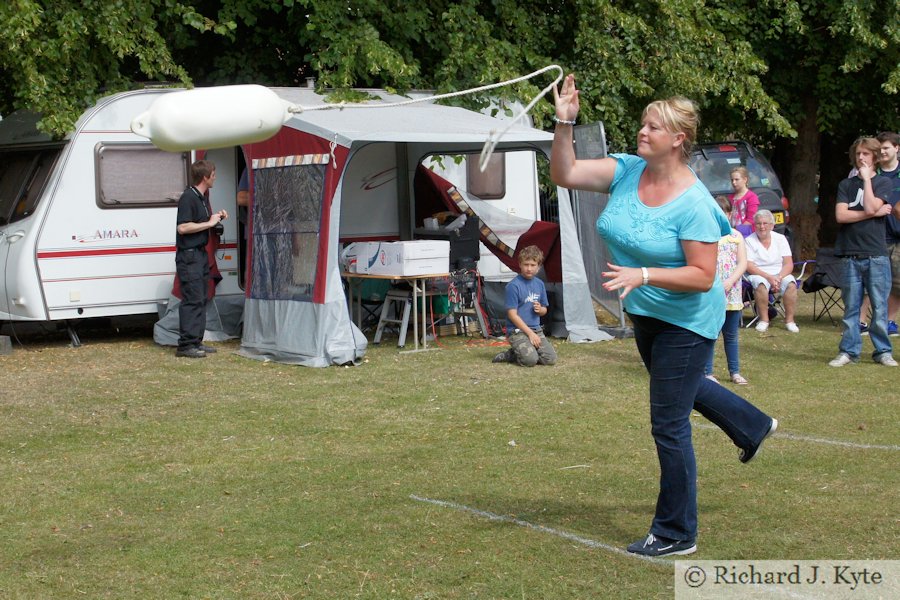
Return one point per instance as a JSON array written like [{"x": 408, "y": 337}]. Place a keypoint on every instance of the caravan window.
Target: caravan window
[
  {"x": 23, "y": 175},
  {"x": 139, "y": 175},
  {"x": 490, "y": 184}
]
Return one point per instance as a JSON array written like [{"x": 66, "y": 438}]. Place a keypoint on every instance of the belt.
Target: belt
[
  {"x": 859, "y": 256},
  {"x": 195, "y": 249}
]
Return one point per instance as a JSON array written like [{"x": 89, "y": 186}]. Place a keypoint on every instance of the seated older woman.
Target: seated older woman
[{"x": 770, "y": 263}]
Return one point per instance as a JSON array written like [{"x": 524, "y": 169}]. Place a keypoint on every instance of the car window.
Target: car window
[
  {"x": 715, "y": 173},
  {"x": 761, "y": 175}
]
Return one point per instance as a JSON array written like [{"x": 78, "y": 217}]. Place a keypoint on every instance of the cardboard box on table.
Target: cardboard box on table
[{"x": 408, "y": 258}]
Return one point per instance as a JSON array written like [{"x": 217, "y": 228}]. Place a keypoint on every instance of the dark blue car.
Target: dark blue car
[{"x": 713, "y": 162}]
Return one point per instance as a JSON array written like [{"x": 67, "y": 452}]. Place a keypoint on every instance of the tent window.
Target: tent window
[
  {"x": 286, "y": 218},
  {"x": 23, "y": 175},
  {"x": 139, "y": 175},
  {"x": 491, "y": 184}
]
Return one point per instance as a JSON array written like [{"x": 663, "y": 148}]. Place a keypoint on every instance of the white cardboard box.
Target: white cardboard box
[{"x": 414, "y": 257}]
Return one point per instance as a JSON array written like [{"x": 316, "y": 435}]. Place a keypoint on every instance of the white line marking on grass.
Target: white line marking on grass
[
  {"x": 805, "y": 438},
  {"x": 539, "y": 528}
]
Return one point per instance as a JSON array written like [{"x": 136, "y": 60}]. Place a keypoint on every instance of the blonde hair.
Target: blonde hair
[
  {"x": 743, "y": 171},
  {"x": 869, "y": 143},
  {"x": 531, "y": 253},
  {"x": 678, "y": 115}
]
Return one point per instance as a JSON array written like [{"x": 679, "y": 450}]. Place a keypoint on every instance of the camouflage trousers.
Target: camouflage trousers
[{"x": 523, "y": 352}]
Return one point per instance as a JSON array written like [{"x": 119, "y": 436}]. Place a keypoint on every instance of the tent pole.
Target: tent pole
[{"x": 404, "y": 204}]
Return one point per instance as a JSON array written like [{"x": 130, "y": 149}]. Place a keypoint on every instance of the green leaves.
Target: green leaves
[
  {"x": 58, "y": 56},
  {"x": 747, "y": 63}
]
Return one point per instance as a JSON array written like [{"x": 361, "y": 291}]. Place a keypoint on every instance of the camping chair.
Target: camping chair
[
  {"x": 775, "y": 305},
  {"x": 372, "y": 294},
  {"x": 368, "y": 300},
  {"x": 825, "y": 284}
]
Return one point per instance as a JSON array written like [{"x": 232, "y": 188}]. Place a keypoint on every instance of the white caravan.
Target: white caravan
[{"x": 87, "y": 223}]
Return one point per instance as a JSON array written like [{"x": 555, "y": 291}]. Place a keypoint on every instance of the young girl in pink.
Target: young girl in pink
[{"x": 744, "y": 201}]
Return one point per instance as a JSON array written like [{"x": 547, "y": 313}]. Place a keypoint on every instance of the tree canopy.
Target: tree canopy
[
  {"x": 749, "y": 64},
  {"x": 789, "y": 75},
  {"x": 58, "y": 56}
]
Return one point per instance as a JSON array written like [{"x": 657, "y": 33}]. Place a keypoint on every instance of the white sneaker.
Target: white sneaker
[
  {"x": 886, "y": 360},
  {"x": 762, "y": 326},
  {"x": 844, "y": 359},
  {"x": 792, "y": 327}
]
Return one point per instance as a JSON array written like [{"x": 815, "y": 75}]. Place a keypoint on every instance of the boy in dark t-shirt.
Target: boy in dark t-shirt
[{"x": 860, "y": 211}]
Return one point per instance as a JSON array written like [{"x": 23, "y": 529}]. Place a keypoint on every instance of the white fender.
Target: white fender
[{"x": 215, "y": 117}]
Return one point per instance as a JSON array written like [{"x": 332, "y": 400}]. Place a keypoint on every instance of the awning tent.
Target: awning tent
[{"x": 295, "y": 310}]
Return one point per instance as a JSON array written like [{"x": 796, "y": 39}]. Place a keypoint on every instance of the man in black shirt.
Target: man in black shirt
[
  {"x": 191, "y": 261},
  {"x": 860, "y": 211}
]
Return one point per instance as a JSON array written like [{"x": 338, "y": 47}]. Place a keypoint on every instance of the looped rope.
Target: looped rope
[{"x": 491, "y": 143}]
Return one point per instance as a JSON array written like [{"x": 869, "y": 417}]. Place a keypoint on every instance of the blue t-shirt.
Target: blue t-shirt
[
  {"x": 642, "y": 236},
  {"x": 521, "y": 294}
]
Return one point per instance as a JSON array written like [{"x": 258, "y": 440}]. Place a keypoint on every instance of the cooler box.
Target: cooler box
[
  {"x": 414, "y": 257},
  {"x": 350, "y": 255}
]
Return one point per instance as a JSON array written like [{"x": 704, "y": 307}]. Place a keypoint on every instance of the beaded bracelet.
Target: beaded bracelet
[{"x": 563, "y": 121}]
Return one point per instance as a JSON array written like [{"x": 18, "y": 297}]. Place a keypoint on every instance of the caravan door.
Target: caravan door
[{"x": 23, "y": 178}]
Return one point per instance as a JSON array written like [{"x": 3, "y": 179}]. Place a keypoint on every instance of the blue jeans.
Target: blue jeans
[
  {"x": 730, "y": 336},
  {"x": 872, "y": 275},
  {"x": 675, "y": 359}
]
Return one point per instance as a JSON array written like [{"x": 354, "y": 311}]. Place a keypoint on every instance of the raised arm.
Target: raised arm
[
  {"x": 871, "y": 204},
  {"x": 594, "y": 174}
]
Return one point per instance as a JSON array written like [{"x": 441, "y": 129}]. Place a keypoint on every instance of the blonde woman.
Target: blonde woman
[
  {"x": 662, "y": 229},
  {"x": 744, "y": 201}
]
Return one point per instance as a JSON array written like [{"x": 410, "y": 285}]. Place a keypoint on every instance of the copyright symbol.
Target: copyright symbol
[{"x": 694, "y": 577}]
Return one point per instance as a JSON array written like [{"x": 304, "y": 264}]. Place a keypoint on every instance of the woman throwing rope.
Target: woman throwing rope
[{"x": 662, "y": 228}]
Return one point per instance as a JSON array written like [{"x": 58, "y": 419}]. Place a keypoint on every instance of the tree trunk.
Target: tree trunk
[
  {"x": 834, "y": 167},
  {"x": 802, "y": 182}
]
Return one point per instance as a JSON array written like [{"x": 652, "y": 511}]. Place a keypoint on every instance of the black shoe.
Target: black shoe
[
  {"x": 746, "y": 455},
  {"x": 208, "y": 349},
  {"x": 190, "y": 353},
  {"x": 503, "y": 357},
  {"x": 654, "y": 546}
]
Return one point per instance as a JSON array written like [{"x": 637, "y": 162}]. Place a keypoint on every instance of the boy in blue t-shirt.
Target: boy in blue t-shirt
[{"x": 526, "y": 303}]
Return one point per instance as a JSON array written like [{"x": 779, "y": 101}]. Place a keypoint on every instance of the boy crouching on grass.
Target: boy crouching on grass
[{"x": 526, "y": 303}]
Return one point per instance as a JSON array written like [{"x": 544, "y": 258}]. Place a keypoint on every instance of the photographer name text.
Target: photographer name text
[
  {"x": 797, "y": 575},
  {"x": 818, "y": 579}
]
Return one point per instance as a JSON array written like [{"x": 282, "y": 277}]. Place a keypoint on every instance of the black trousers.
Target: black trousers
[{"x": 192, "y": 268}]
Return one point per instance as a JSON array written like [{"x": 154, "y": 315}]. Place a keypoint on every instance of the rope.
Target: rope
[{"x": 491, "y": 143}]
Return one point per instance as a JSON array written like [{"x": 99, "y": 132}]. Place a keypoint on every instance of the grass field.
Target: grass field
[{"x": 128, "y": 473}]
